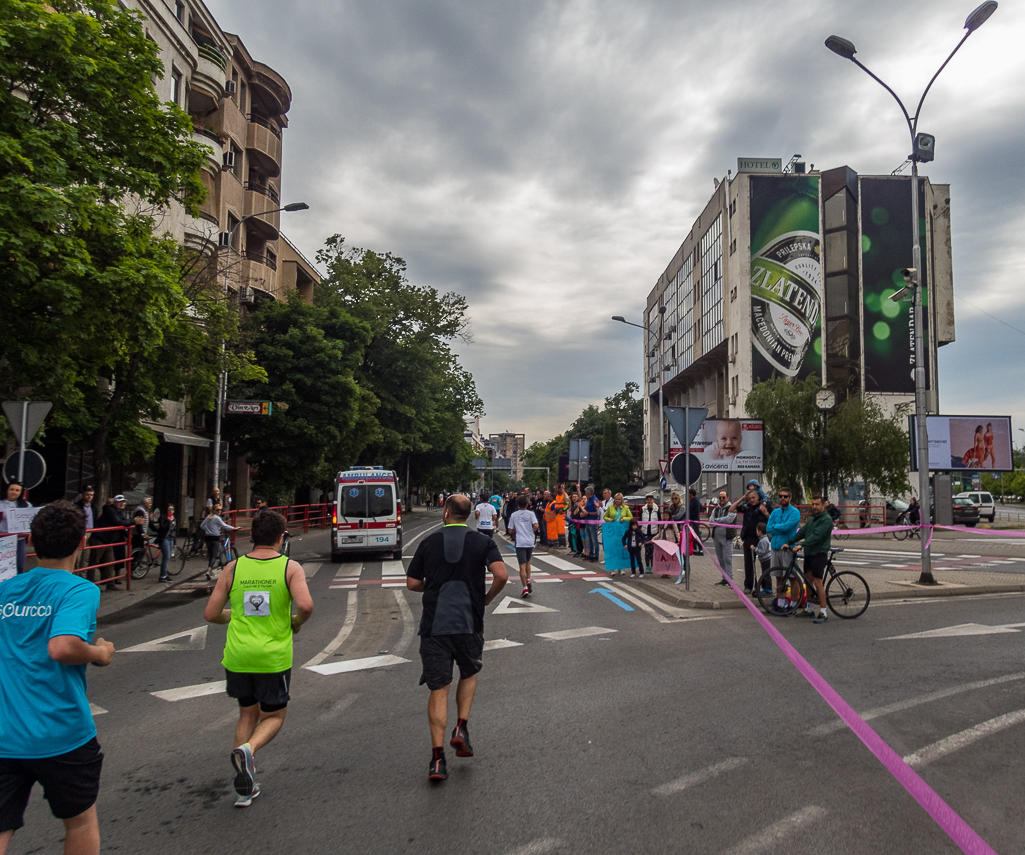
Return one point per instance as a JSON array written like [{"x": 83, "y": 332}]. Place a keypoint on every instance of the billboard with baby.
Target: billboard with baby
[{"x": 729, "y": 445}]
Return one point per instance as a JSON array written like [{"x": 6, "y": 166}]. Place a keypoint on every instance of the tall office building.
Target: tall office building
[
  {"x": 790, "y": 273},
  {"x": 510, "y": 446}
]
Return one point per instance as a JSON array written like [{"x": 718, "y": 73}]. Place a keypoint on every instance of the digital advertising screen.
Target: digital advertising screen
[{"x": 958, "y": 443}]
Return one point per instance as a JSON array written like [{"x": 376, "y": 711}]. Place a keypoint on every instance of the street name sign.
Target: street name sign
[{"x": 248, "y": 408}]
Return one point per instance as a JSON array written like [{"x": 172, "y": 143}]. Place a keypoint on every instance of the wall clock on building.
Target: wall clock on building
[{"x": 825, "y": 399}]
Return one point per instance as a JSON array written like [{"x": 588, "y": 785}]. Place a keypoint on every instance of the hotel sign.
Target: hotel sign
[{"x": 759, "y": 164}]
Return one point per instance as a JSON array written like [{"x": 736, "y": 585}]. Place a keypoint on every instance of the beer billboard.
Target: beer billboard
[
  {"x": 786, "y": 276},
  {"x": 885, "y": 252},
  {"x": 726, "y": 445},
  {"x": 958, "y": 443}
]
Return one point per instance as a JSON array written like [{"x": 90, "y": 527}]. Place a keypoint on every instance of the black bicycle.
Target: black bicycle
[
  {"x": 145, "y": 557},
  {"x": 903, "y": 534},
  {"x": 783, "y": 590}
]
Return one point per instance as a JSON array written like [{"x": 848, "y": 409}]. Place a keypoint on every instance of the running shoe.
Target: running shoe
[
  {"x": 245, "y": 770},
  {"x": 530, "y": 587},
  {"x": 821, "y": 618},
  {"x": 245, "y": 801},
  {"x": 525, "y": 594},
  {"x": 438, "y": 770},
  {"x": 722, "y": 583},
  {"x": 805, "y": 613},
  {"x": 461, "y": 742}
]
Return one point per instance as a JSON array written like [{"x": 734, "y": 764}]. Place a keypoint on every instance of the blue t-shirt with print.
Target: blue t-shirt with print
[{"x": 44, "y": 711}]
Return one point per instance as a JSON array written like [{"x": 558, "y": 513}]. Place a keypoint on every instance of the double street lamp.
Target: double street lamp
[
  {"x": 222, "y": 381},
  {"x": 922, "y": 150},
  {"x": 661, "y": 378}
]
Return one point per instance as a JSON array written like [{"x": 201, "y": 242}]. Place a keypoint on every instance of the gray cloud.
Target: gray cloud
[{"x": 546, "y": 159}]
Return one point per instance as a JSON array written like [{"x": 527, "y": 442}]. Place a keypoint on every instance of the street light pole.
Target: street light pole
[
  {"x": 222, "y": 381},
  {"x": 922, "y": 148}
]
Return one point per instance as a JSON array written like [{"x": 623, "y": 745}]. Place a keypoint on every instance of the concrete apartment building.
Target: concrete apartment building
[
  {"x": 790, "y": 273},
  {"x": 510, "y": 446},
  {"x": 239, "y": 110}
]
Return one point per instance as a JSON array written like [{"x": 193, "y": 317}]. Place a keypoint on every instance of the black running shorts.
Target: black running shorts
[
  {"x": 523, "y": 554},
  {"x": 438, "y": 652},
  {"x": 270, "y": 691},
  {"x": 71, "y": 783},
  {"x": 815, "y": 565}
]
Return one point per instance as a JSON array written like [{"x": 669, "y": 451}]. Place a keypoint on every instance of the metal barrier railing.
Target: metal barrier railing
[{"x": 87, "y": 570}]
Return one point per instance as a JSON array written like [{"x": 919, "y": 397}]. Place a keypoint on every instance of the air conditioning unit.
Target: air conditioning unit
[
  {"x": 230, "y": 87},
  {"x": 229, "y": 159},
  {"x": 733, "y": 358},
  {"x": 732, "y": 399},
  {"x": 224, "y": 239},
  {"x": 247, "y": 295}
]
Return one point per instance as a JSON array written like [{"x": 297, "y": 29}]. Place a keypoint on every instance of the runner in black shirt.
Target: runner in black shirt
[{"x": 449, "y": 569}]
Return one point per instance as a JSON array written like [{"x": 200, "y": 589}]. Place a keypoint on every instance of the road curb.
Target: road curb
[{"x": 683, "y": 601}]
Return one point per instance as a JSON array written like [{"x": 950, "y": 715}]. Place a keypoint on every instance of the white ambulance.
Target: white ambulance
[{"x": 367, "y": 514}]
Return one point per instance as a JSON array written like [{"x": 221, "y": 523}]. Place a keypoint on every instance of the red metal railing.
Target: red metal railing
[{"x": 125, "y": 543}]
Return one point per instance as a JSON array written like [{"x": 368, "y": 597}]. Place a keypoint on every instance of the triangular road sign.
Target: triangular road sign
[
  {"x": 36, "y": 413},
  {"x": 512, "y": 606},
  {"x": 191, "y": 639}
]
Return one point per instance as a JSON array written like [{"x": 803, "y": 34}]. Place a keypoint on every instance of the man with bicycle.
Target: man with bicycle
[
  {"x": 817, "y": 536},
  {"x": 782, "y": 525}
]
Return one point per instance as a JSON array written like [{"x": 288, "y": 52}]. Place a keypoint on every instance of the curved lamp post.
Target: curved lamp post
[{"x": 922, "y": 150}]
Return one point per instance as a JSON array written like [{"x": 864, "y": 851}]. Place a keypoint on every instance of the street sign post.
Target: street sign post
[
  {"x": 248, "y": 408},
  {"x": 686, "y": 421},
  {"x": 25, "y": 418},
  {"x": 28, "y": 467}
]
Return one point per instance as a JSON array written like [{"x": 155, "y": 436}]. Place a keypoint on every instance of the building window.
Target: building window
[
  {"x": 176, "y": 86},
  {"x": 179, "y": 10},
  {"x": 733, "y": 246},
  {"x": 711, "y": 286},
  {"x": 685, "y": 326}
]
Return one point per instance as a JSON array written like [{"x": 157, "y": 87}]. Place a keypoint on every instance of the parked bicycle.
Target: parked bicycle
[
  {"x": 783, "y": 590},
  {"x": 840, "y": 531},
  {"x": 903, "y": 534}
]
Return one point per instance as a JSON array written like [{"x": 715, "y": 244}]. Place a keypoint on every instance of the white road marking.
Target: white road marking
[
  {"x": 969, "y": 556},
  {"x": 185, "y": 692},
  {"x": 357, "y": 664},
  {"x": 393, "y": 584},
  {"x": 900, "y": 706},
  {"x": 583, "y": 632},
  {"x": 627, "y": 595},
  {"x": 957, "y": 741},
  {"x": 848, "y": 562},
  {"x": 351, "y": 587},
  {"x": 408, "y": 625},
  {"x": 98, "y": 710},
  {"x": 392, "y": 568},
  {"x": 954, "y": 631},
  {"x": 349, "y": 571},
  {"x": 695, "y": 778},
  {"x": 896, "y": 566},
  {"x": 416, "y": 537},
  {"x": 582, "y": 572},
  {"x": 558, "y": 563},
  {"x": 685, "y": 614},
  {"x": 190, "y": 639},
  {"x": 501, "y": 643},
  {"x": 311, "y": 569},
  {"x": 513, "y": 606},
  {"x": 338, "y": 707},
  {"x": 777, "y": 833},
  {"x": 343, "y": 633},
  {"x": 536, "y": 847},
  {"x": 534, "y": 578},
  {"x": 915, "y": 554}
]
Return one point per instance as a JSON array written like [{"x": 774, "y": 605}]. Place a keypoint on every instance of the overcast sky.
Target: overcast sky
[{"x": 546, "y": 159}]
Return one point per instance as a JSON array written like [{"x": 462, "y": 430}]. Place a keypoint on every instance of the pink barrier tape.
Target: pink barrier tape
[{"x": 966, "y": 838}]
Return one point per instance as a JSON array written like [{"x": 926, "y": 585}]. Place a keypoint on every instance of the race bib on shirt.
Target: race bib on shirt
[{"x": 257, "y": 603}]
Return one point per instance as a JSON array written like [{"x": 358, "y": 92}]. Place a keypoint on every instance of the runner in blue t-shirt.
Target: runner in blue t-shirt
[{"x": 47, "y": 735}]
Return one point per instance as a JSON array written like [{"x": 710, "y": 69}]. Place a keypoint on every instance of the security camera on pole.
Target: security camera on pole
[{"x": 923, "y": 149}]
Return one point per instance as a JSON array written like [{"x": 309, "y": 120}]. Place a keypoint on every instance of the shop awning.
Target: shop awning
[{"x": 180, "y": 437}]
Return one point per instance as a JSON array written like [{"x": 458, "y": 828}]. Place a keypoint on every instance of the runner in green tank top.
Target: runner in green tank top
[{"x": 260, "y": 588}]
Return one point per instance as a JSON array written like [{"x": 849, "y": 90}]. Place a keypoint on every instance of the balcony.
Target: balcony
[
  {"x": 214, "y": 149},
  {"x": 266, "y": 260},
  {"x": 263, "y": 143},
  {"x": 208, "y": 79},
  {"x": 260, "y": 199},
  {"x": 257, "y": 274},
  {"x": 201, "y": 233}
]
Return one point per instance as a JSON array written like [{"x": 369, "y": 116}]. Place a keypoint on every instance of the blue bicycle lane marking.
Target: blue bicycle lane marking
[{"x": 612, "y": 597}]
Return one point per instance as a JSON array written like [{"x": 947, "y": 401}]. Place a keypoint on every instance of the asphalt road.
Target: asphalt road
[{"x": 644, "y": 730}]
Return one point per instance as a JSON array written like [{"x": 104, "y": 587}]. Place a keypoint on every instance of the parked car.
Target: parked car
[
  {"x": 894, "y": 508},
  {"x": 983, "y": 501},
  {"x": 966, "y": 512}
]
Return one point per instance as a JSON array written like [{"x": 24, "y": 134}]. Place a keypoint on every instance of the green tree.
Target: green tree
[
  {"x": 866, "y": 445},
  {"x": 100, "y": 315},
  {"x": 422, "y": 393},
  {"x": 311, "y": 354},
  {"x": 543, "y": 454},
  {"x": 629, "y": 412},
  {"x": 614, "y": 472}
]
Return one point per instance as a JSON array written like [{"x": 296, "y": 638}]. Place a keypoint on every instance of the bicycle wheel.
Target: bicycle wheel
[
  {"x": 902, "y": 534},
  {"x": 840, "y": 532},
  {"x": 785, "y": 591},
  {"x": 141, "y": 562},
  {"x": 847, "y": 594},
  {"x": 704, "y": 532},
  {"x": 286, "y": 547},
  {"x": 176, "y": 563}
]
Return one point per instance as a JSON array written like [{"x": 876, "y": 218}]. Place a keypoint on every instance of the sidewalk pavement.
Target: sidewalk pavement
[{"x": 884, "y": 583}]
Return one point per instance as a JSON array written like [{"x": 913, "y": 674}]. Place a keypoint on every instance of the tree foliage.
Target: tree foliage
[
  {"x": 862, "y": 443},
  {"x": 99, "y": 312}
]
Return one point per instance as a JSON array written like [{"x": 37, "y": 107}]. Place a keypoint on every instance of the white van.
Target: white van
[
  {"x": 367, "y": 513},
  {"x": 983, "y": 501}
]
